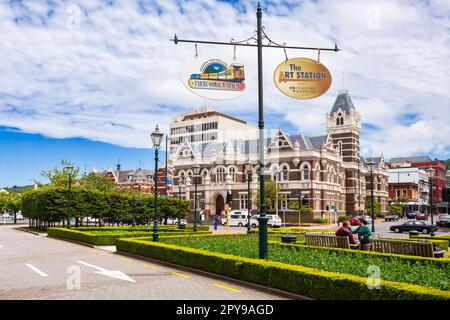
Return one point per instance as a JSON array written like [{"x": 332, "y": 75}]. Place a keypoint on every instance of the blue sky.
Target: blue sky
[{"x": 88, "y": 80}]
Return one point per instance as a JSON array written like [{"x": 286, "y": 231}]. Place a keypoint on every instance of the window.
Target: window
[
  {"x": 305, "y": 173},
  {"x": 398, "y": 193},
  {"x": 243, "y": 201},
  {"x": 284, "y": 174},
  {"x": 232, "y": 172},
  {"x": 220, "y": 175},
  {"x": 340, "y": 148}
]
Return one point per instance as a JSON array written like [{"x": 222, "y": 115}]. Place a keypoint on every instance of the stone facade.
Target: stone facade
[{"x": 326, "y": 170}]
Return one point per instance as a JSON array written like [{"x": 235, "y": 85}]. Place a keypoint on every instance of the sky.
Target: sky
[{"x": 88, "y": 81}]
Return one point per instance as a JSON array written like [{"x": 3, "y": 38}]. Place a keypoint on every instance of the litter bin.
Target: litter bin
[
  {"x": 414, "y": 234},
  {"x": 182, "y": 226},
  {"x": 288, "y": 238}
]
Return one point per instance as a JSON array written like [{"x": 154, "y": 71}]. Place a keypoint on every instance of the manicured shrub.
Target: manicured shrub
[
  {"x": 320, "y": 220},
  {"x": 101, "y": 237},
  {"x": 315, "y": 283},
  {"x": 343, "y": 218}
]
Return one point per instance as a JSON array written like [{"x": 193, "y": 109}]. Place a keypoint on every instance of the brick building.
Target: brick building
[{"x": 326, "y": 170}]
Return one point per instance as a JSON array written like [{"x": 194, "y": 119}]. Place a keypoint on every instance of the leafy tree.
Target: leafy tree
[
  {"x": 305, "y": 209},
  {"x": 59, "y": 177},
  {"x": 397, "y": 208},
  {"x": 271, "y": 190},
  {"x": 97, "y": 182},
  {"x": 376, "y": 207}
]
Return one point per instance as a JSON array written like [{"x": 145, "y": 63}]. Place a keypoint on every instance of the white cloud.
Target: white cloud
[{"x": 117, "y": 75}]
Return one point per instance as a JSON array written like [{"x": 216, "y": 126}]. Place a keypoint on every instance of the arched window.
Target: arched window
[
  {"x": 220, "y": 175},
  {"x": 232, "y": 172},
  {"x": 181, "y": 177},
  {"x": 341, "y": 121},
  {"x": 284, "y": 174},
  {"x": 340, "y": 148},
  {"x": 305, "y": 173}
]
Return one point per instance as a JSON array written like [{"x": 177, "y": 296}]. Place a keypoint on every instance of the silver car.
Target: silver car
[{"x": 443, "y": 220}]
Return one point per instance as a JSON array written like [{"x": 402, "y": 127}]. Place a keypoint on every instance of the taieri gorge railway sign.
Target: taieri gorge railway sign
[
  {"x": 213, "y": 78},
  {"x": 302, "y": 78}
]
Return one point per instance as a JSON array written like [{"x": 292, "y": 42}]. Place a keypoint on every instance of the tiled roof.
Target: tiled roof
[
  {"x": 410, "y": 159},
  {"x": 343, "y": 102}
]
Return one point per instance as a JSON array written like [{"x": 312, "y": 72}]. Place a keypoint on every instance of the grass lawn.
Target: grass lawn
[{"x": 423, "y": 273}]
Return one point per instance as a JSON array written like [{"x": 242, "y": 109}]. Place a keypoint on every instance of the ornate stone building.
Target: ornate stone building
[{"x": 326, "y": 170}]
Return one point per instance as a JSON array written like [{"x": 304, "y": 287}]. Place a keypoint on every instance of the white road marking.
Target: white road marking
[
  {"x": 109, "y": 273},
  {"x": 36, "y": 270}
]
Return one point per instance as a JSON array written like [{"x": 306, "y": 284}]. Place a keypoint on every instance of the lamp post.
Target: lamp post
[
  {"x": 156, "y": 139},
  {"x": 256, "y": 41},
  {"x": 430, "y": 173},
  {"x": 69, "y": 171},
  {"x": 371, "y": 165},
  {"x": 248, "y": 169},
  {"x": 196, "y": 176}
]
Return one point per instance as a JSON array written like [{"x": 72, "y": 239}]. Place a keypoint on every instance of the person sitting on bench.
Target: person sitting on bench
[{"x": 346, "y": 231}]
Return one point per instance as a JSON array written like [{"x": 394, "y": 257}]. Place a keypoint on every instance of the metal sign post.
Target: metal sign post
[{"x": 256, "y": 41}]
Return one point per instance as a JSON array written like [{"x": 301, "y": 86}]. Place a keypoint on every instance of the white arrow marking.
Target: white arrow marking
[
  {"x": 36, "y": 270},
  {"x": 109, "y": 273}
]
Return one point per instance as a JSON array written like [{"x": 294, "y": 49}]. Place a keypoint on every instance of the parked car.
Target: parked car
[
  {"x": 412, "y": 214},
  {"x": 274, "y": 221},
  {"x": 368, "y": 219},
  {"x": 237, "y": 219},
  {"x": 443, "y": 220},
  {"x": 422, "y": 216},
  {"x": 417, "y": 225},
  {"x": 6, "y": 215},
  {"x": 19, "y": 216},
  {"x": 391, "y": 216},
  {"x": 354, "y": 220}
]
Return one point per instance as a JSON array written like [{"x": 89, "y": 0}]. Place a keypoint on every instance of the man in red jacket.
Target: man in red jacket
[{"x": 346, "y": 231}]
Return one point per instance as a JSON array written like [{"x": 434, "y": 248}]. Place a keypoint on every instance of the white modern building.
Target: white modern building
[
  {"x": 205, "y": 125},
  {"x": 409, "y": 183}
]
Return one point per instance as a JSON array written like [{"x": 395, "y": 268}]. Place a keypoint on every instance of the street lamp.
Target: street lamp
[
  {"x": 156, "y": 139},
  {"x": 69, "y": 171},
  {"x": 196, "y": 176},
  {"x": 430, "y": 173},
  {"x": 371, "y": 165},
  {"x": 248, "y": 169}
]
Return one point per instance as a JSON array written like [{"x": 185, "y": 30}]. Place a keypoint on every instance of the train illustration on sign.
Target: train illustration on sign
[{"x": 216, "y": 75}]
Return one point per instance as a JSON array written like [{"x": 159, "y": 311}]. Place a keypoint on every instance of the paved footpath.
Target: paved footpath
[{"x": 36, "y": 267}]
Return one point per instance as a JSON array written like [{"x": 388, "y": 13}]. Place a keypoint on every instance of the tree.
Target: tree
[
  {"x": 271, "y": 190},
  {"x": 305, "y": 209},
  {"x": 376, "y": 207},
  {"x": 97, "y": 182},
  {"x": 397, "y": 208},
  {"x": 59, "y": 177}
]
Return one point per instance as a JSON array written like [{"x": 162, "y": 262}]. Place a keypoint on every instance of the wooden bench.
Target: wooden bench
[
  {"x": 326, "y": 239},
  {"x": 413, "y": 248}
]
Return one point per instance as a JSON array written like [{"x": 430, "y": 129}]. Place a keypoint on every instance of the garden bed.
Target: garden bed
[
  {"x": 236, "y": 256},
  {"x": 427, "y": 272}
]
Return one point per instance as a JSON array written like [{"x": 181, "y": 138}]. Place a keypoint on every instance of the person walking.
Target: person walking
[
  {"x": 216, "y": 221},
  {"x": 364, "y": 234}
]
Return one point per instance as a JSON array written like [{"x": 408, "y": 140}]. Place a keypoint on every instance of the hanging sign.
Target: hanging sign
[
  {"x": 213, "y": 78},
  {"x": 302, "y": 78}
]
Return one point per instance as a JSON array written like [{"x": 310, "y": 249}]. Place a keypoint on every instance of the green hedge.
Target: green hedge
[
  {"x": 165, "y": 228},
  {"x": 314, "y": 283},
  {"x": 49, "y": 205},
  {"x": 109, "y": 239}
]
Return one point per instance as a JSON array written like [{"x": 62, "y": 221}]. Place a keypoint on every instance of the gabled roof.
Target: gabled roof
[
  {"x": 410, "y": 159},
  {"x": 343, "y": 102}
]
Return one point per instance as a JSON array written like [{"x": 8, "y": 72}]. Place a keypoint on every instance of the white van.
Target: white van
[
  {"x": 237, "y": 219},
  {"x": 274, "y": 221}
]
